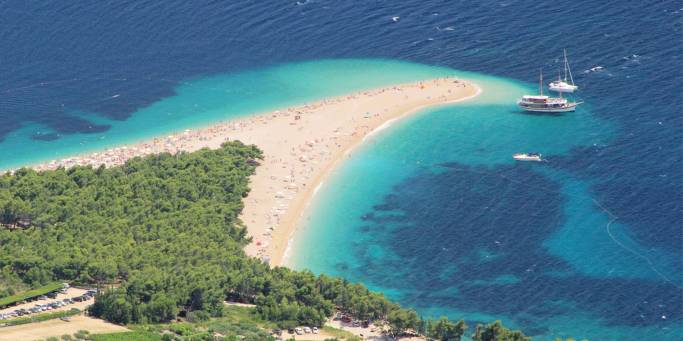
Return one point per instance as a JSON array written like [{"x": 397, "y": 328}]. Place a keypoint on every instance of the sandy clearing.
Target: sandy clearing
[{"x": 57, "y": 327}]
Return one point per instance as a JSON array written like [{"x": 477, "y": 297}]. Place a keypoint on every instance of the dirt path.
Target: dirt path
[{"x": 57, "y": 327}]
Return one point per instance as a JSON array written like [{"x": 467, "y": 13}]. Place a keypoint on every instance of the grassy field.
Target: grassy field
[
  {"x": 340, "y": 334},
  {"x": 237, "y": 322},
  {"x": 246, "y": 315},
  {"x": 30, "y": 294},
  {"x": 137, "y": 335}
]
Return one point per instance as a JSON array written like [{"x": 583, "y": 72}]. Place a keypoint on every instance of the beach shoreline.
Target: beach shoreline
[
  {"x": 301, "y": 145},
  {"x": 285, "y": 255}
]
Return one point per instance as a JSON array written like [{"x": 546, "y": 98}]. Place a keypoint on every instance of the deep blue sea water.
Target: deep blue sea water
[{"x": 589, "y": 244}]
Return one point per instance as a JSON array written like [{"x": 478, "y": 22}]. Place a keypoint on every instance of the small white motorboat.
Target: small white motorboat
[{"x": 527, "y": 157}]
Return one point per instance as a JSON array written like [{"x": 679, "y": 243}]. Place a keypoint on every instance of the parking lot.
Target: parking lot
[
  {"x": 301, "y": 333},
  {"x": 65, "y": 300}
]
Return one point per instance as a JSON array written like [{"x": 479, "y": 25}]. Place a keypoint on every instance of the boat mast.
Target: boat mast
[
  {"x": 540, "y": 82},
  {"x": 558, "y": 78},
  {"x": 565, "y": 64},
  {"x": 567, "y": 69}
]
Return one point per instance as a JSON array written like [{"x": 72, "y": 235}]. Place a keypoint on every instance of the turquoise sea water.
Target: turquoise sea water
[
  {"x": 438, "y": 194},
  {"x": 359, "y": 208},
  {"x": 433, "y": 211},
  {"x": 201, "y": 101}
]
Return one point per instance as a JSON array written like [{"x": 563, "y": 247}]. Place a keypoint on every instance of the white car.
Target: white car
[
  {"x": 307, "y": 330},
  {"x": 315, "y": 330},
  {"x": 298, "y": 331}
]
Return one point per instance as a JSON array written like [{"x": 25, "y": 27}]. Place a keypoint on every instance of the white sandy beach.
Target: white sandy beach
[{"x": 301, "y": 146}]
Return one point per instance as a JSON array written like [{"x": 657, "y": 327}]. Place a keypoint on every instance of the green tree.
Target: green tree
[
  {"x": 497, "y": 332},
  {"x": 113, "y": 306},
  {"x": 400, "y": 320},
  {"x": 446, "y": 330},
  {"x": 161, "y": 309}
]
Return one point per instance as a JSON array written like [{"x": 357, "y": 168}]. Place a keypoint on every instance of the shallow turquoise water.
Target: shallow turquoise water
[
  {"x": 201, "y": 101},
  {"x": 377, "y": 220}
]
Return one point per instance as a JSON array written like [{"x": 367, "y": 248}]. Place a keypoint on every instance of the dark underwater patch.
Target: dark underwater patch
[
  {"x": 70, "y": 125},
  {"x": 45, "y": 137},
  {"x": 486, "y": 223}
]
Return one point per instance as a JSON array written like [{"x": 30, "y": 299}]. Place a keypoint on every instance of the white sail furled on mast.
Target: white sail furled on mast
[{"x": 566, "y": 85}]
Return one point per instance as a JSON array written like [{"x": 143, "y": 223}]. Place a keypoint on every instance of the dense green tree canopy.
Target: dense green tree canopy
[{"x": 165, "y": 230}]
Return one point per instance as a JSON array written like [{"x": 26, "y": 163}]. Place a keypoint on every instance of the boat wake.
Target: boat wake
[
  {"x": 595, "y": 69},
  {"x": 608, "y": 229}
]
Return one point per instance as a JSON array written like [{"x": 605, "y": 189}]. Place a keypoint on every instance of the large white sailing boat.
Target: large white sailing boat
[
  {"x": 542, "y": 103},
  {"x": 566, "y": 85}
]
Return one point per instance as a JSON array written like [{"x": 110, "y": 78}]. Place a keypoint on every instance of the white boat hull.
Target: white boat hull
[
  {"x": 567, "y": 108},
  {"x": 527, "y": 157},
  {"x": 564, "y": 89}
]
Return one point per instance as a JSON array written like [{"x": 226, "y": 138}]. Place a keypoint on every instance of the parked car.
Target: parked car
[
  {"x": 42, "y": 297},
  {"x": 298, "y": 330},
  {"x": 307, "y": 330},
  {"x": 52, "y": 294},
  {"x": 315, "y": 330}
]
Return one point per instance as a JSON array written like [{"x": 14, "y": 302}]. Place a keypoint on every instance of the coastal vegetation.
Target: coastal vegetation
[
  {"x": 497, "y": 332},
  {"x": 163, "y": 234},
  {"x": 161, "y": 237}
]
